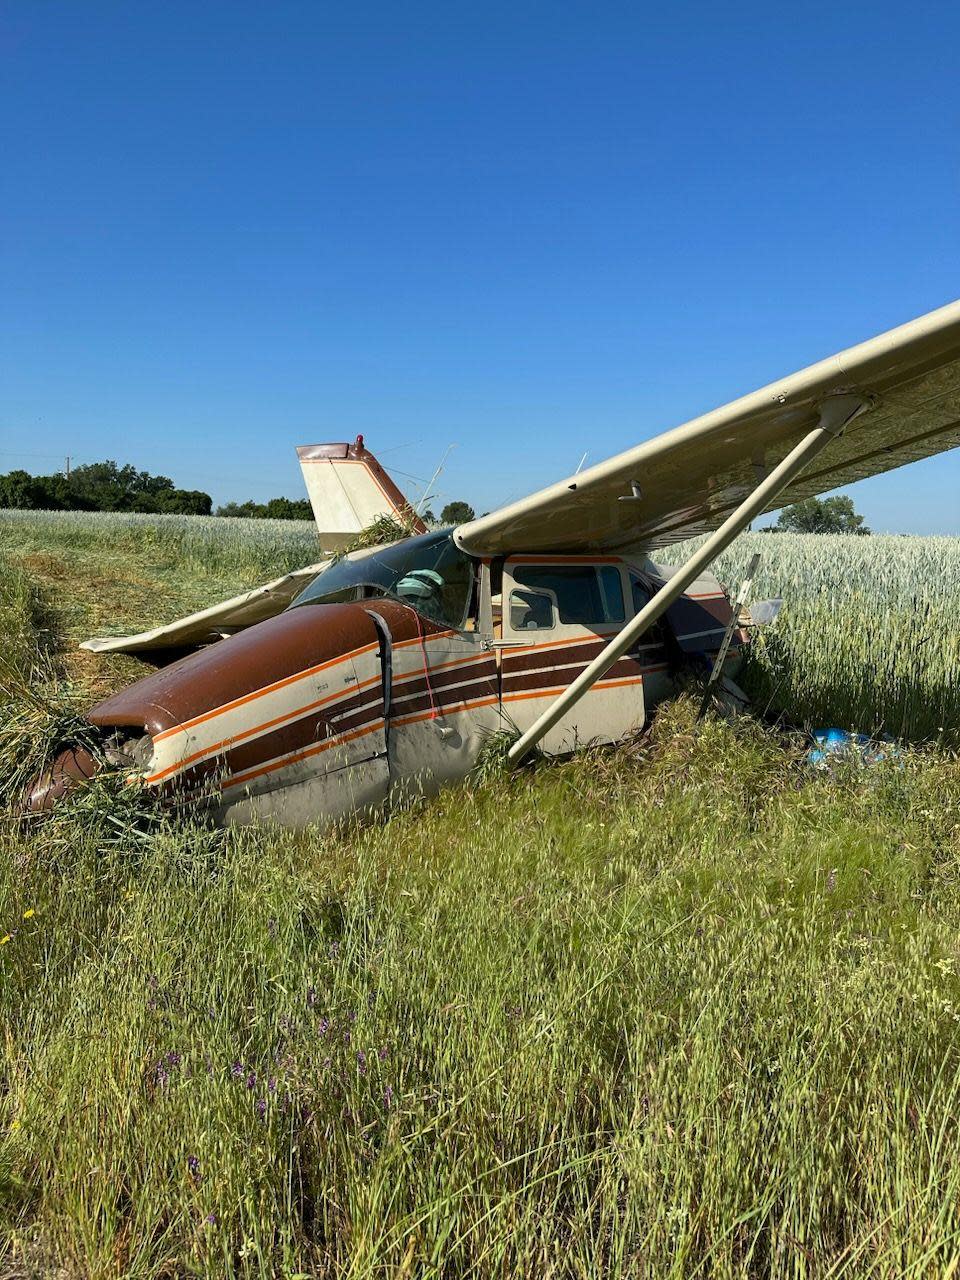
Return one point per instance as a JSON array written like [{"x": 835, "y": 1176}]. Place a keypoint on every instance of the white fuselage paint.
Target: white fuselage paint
[{"x": 448, "y": 692}]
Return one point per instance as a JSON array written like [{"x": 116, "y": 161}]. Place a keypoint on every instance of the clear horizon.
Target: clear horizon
[{"x": 526, "y": 232}]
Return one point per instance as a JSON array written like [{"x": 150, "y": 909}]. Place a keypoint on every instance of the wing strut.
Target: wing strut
[{"x": 835, "y": 412}]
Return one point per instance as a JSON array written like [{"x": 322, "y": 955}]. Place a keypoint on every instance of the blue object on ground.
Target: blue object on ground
[{"x": 860, "y": 747}]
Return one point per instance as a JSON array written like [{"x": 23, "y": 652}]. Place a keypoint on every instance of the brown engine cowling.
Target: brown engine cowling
[{"x": 235, "y": 669}]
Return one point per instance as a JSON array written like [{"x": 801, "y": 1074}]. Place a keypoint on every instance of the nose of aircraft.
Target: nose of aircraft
[
  {"x": 71, "y": 767},
  {"x": 235, "y": 701}
]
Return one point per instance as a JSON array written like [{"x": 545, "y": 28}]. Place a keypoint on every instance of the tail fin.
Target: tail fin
[{"x": 348, "y": 490}]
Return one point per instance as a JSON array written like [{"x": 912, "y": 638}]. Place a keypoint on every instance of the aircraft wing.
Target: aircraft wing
[
  {"x": 216, "y": 622},
  {"x": 688, "y": 480}
]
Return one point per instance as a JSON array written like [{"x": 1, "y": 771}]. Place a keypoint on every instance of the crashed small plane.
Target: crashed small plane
[{"x": 355, "y": 680}]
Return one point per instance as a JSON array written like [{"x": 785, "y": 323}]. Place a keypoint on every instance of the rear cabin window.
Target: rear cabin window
[
  {"x": 641, "y": 593},
  {"x": 586, "y": 594}
]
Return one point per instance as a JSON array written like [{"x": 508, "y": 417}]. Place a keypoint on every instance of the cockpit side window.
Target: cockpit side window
[{"x": 586, "y": 594}]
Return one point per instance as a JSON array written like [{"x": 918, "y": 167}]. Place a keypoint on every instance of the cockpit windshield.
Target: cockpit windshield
[{"x": 430, "y": 573}]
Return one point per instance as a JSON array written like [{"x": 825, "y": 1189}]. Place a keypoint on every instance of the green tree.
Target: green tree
[
  {"x": 289, "y": 509},
  {"x": 101, "y": 486},
  {"x": 821, "y": 515},
  {"x": 275, "y": 509},
  {"x": 456, "y": 513}
]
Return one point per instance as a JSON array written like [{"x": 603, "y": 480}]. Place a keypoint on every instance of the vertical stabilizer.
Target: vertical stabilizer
[{"x": 348, "y": 490}]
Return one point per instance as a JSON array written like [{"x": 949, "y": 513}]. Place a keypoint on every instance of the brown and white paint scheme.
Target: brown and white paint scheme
[
  {"x": 328, "y": 709},
  {"x": 331, "y": 709}
]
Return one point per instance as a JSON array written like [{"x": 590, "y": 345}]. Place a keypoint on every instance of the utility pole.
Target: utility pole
[{"x": 68, "y": 466}]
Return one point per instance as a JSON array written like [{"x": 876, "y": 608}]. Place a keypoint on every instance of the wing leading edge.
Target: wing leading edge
[{"x": 688, "y": 480}]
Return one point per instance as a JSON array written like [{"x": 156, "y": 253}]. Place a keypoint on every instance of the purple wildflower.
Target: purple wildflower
[
  {"x": 323, "y": 1026},
  {"x": 261, "y": 1107},
  {"x": 388, "y": 1095},
  {"x": 311, "y": 997},
  {"x": 237, "y": 1070},
  {"x": 382, "y": 1053},
  {"x": 173, "y": 1059},
  {"x": 251, "y": 1081},
  {"x": 161, "y": 1072},
  {"x": 272, "y": 1085},
  {"x": 211, "y": 1219},
  {"x": 362, "y": 1062},
  {"x": 346, "y": 1037}
]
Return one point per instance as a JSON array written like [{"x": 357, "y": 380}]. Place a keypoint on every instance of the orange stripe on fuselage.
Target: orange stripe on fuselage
[
  {"x": 284, "y": 761},
  {"x": 594, "y": 638},
  {"x": 553, "y": 689},
  {"x": 215, "y": 747},
  {"x": 269, "y": 688},
  {"x": 436, "y": 635},
  {"x": 440, "y": 712},
  {"x": 417, "y": 672}
]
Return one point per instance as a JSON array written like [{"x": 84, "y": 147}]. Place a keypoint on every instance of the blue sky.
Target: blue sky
[{"x": 531, "y": 231}]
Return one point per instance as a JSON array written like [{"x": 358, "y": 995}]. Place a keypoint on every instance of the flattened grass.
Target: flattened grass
[{"x": 106, "y": 573}]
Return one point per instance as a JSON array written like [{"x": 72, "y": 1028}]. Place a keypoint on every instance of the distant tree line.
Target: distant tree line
[
  {"x": 105, "y": 486},
  {"x": 300, "y": 509},
  {"x": 275, "y": 509},
  {"x": 101, "y": 486}
]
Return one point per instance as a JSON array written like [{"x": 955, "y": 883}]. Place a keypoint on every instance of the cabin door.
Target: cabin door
[{"x": 558, "y": 613}]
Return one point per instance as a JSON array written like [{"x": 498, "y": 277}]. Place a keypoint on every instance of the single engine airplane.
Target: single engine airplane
[{"x": 348, "y": 683}]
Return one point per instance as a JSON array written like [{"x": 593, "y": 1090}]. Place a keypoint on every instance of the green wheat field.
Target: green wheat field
[{"x": 687, "y": 1008}]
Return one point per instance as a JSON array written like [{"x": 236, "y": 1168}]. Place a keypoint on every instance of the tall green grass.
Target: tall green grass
[
  {"x": 683, "y": 1009},
  {"x": 204, "y": 544},
  {"x": 869, "y": 637},
  {"x": 687, "y": 1011},
  {"x": 110, "y": 574}
]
